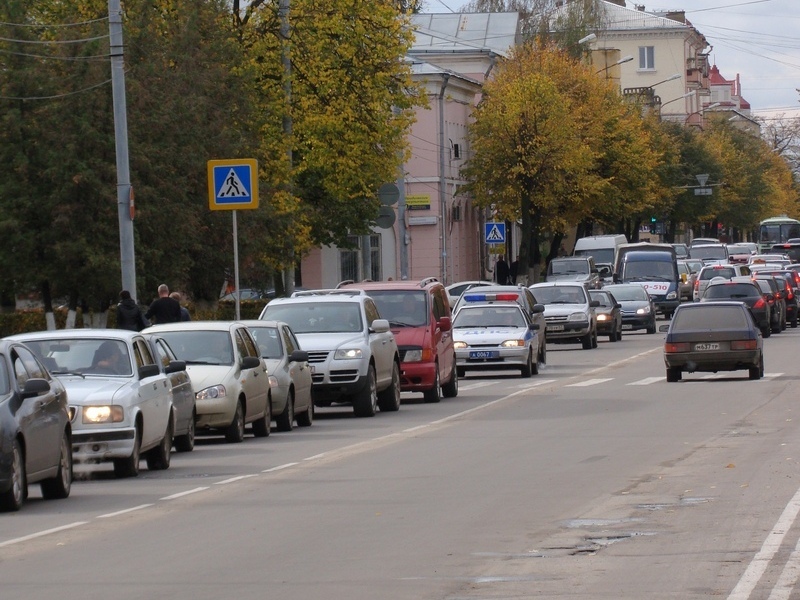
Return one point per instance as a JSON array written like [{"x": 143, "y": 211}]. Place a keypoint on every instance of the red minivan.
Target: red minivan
[{"x": 419, "y": 316}]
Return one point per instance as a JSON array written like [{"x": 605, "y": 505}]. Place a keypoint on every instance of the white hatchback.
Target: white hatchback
[{"x": 229, "y": 377}]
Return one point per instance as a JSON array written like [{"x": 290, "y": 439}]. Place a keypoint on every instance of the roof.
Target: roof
[
  {"x": 405, "y": 284},
  {"x": 452, "y": 32},
  {"x": 82, "y": 333}
]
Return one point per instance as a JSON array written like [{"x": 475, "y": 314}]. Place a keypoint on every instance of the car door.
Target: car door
[
  {"x": 298, "y": 371},
  {"x": 382, "y": 345},
  {"x": 443, "y": 340},
  {"x": 183, "y": 398},
  {"x": 255, "y": 382},
  {"x": 152, "y": 396},
  {"x": 39, "y": 417}
]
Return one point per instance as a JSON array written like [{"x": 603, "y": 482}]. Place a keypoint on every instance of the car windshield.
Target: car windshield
[
  {"x": 406, "y": 308},
  {"x": 709, "y": 318},
  {"x": 731, "y": 290},
  {"x": 559, "y": 294},
  {"x": 569, "y": 267},
  {"x": 83, "y": 356},
  {"x": 269, "y": 342},
  {"x": 629, "y": 293},
  {"x": 201, "y": 347},
  {"x": 489, "y": 316},
  {"x": 322, "y": 317}
]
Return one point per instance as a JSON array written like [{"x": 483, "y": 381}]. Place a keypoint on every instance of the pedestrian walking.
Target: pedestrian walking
[
  {"x": 501, "y": 270},
  {"x": 129, "y": 315},
  {"x": 185, "y": 316},
  {"x": 164, "y": 309}
]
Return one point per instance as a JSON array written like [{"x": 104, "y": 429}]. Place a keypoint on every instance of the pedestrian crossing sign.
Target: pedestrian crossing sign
[
  {"x": 233, "y": 184},
  {"x": 495, "y": 233}
]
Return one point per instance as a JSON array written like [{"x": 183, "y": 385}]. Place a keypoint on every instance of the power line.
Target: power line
[
  {"x": 49, "y": 25},
  {"x": 55, "y": 42},
  {"x": 48, "y": 57},
  {"x": 57, "y": 95}
]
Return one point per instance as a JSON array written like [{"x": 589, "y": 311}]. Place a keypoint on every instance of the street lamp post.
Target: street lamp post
[
  {"x": 647, "y": 93},
  {"x": 701, "y": 112},
  {"x": 622, "y": 60}
]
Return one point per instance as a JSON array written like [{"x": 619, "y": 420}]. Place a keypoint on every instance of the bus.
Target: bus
[{"x": 776, "y": 230}]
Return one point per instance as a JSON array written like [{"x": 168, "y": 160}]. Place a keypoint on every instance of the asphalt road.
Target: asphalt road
[{"x": 594, "y": 479}]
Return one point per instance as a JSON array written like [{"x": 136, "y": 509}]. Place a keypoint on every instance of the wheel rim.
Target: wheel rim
[
  {"x": 191, "y": 433},
  {"x": 373, "y": 391},
  {"x": 240, "y": 420},
  {"x": 66, "y": 464},
  {"x": 396, "y": 383}
]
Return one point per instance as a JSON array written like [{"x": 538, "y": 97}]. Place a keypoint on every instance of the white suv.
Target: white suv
[{"x": 351, "y": 350}]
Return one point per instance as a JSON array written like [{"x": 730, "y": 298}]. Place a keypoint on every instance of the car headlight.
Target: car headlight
[
  {"x": 414, "y": 355},
  {"x": 577, "y": 317},
  {"x": 512, "y": 343},
  {"x": 643, "y": 311},
  {"x": 603, "y": 317},
  {"x": 102, "y": 414},
  {"x": 672, "y": 296},
  {"x": 215, "y": 391},
  {"x": 347, "y": 353},
  {"x": 459, "y": 345},
  {"x": 273, "y": 382}
]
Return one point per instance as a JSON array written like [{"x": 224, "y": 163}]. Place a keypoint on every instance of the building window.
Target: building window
[
  {"x": 350, "y": 263},
  {"x": 647, "y": 60}
]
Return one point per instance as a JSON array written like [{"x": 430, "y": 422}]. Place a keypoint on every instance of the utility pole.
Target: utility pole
[
  {"x": 124, "y": 189},
  {"x": 286, "y": 61}
]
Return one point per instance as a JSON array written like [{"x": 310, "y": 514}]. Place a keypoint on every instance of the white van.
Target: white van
[{"x": 603, "y": 248}]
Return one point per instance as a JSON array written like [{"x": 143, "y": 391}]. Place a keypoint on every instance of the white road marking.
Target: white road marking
[
  {"x": 789, "y": 576},
  {"x": 771, "y": 545},
  {"x": 316, "y": 456},
  {"x": 122, "y": 512},
  {"x": 186, "y": 493},
  {"x": 41, "y": 533},
  {"x": 773, "y": 375},
  {"x": 278, "y": 468},
  {"x": 647, "y": 381},
  {"x": 589, "y": 382},
  {"x": 232, "y": 479},
  {"x": 474, "y": 386},
  {"x": 536, "y": 383}
]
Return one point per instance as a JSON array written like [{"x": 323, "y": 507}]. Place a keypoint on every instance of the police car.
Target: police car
[{"x": 496, "y": 333}]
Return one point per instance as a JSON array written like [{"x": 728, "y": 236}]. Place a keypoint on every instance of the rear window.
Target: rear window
[
  {"x": 628, "y": 293},
  {"x": 604, "y": 298},
  {"x": 709, "y": 318},
  {"x": 712, "y": 252},
  {"x": 732, "y": 290},
  {"x": 725, "y": 272}
]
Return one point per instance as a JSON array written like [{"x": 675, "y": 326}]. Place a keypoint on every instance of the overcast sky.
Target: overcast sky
[{"x": 757, "y": 39}]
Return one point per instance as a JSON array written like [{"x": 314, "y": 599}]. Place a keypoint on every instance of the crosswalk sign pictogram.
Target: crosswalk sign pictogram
[
  {"x": 233, "y": 184},
  {"x": 495, "y": 233}
]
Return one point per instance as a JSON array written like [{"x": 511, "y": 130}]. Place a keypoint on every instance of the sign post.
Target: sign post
[{"x": 233, "y": 185}]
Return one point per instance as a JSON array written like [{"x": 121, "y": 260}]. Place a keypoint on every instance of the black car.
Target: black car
[
  {"x": 638, "y": 309},
  {"x": 713, "y": 337},
  {"x": 35, "y": 433},
  {"x": 742, "y": 289},
  {"x": 777, "y": 289},
  {"x": 609, "y": 314},
  {"x": 789, "y": 292}
]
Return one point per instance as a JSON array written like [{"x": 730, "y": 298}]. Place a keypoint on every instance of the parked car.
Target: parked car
[
  {"x": 229, "y": 377},
  {"x": 742, "y": 289},
  {"x": 709, "y": 272},
  {"x": 569, "y": 312},
  {"x": 500, "y": 294},
  {"x": 496, "y": 335},
  {"x": 454, "y": 290},
  {"x": 35, "y": 430},
  {"x": 609, "y": 314},
  {"x": 420, "y": 319},
  {"x": 289, "y": 373},
  {"x": 118, "y": 392},
  {"x": 713, "y": 337},
  {"x": 351, "y": 349},
  {"x": 636, "y": 305}
]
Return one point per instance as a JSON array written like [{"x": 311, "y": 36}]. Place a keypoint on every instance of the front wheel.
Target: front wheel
[
  {"x": 12, "y": 499},
  {"x": 234, "y": 433},
  {"x": 60, "y": 485},
  {"x": 434, "y": 394},
  {"x": 185, "y": 442},
  {"x": 285, "y": 420},
  {"x": 389, "y": 399},
  {"x": 262, "y": 426},
  {"x": 673, "y": 374},
  {"x": 306, "y": 418},
  {"x": 365, "y": 402},
  {"x": 586, "y": 341},
  {"x": 450, "y": 389},
  {"x": 158, "y": 458},
  {"x": 129, "y": 467}
]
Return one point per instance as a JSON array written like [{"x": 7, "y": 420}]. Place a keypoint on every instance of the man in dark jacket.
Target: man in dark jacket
[
  {"x": 129, "y": 315},
  {"x": 164, "y": 309}
]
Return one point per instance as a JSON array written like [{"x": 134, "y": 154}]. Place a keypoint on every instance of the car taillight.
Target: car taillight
[
  {"x": 744, "y": 345},
  {"x": 759, "y": 303},
  {"x": 671, "y": 347},
  {"x": 696, "y": 284}
]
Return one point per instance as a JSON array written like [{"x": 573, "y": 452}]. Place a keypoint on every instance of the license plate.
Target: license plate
[
  {"x": 627, "y": 326},
  {"x": 484, "y": 354},
  {"x": 555, "y": 328},
  {"x": 706, "y": 346}
]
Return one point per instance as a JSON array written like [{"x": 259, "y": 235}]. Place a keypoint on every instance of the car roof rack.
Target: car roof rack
[
  {"x": 329, "y": 292},
  {"x": 427, "y": 280}
]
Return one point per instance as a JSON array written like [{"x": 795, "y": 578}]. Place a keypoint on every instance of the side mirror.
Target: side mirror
[
  {"x": 663, "y": 328},
  {"x": 146, "y": 371},
  {"x": 251, "y": 362},
  {"x": 35, "y": 387},
  {"x": 615, "y": 278},
  {"x": 298, "y": 356},
  {"x": 537, "y": 308},
  {"x": 533, "y": 326},
  {"x": 380, "y": 326},
  {"x": 594, "y": 303},
  {"x": 175, "y": 366},
  {"x": 445, "y": 324},
  {"x": 618, "y": 305}
]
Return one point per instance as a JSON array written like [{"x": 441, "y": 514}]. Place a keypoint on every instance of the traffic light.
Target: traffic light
[{"x": 653, "y": 223}]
